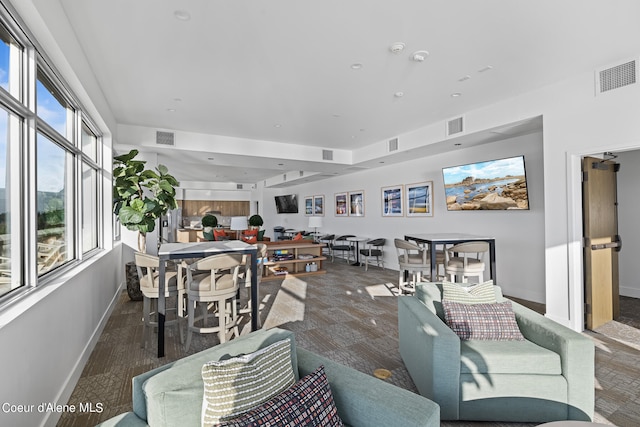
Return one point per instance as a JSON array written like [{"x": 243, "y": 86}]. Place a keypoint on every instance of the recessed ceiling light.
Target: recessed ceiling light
[
  {"x": 396, "y": 47},
  {"x": 356, "y": 66},
  {"x": 487, "y": 68},
  {"x": 456, "y": 94},
  {"x": 465, "y": 78},
  {"x": 335, "y": 115},
  {"x": 277, "y": 125},
  {"x": 280, "y": 164},
  {"x": 209, "y": 158},
  {"x": 457, "y": 144},
  {"x": 420, "y": 55},
  {"x": 398, "y": 94},
  {"x": 182, "y": 15},
  {"x": 177, "y": 99},
  {"x": 171, "y": 110}
]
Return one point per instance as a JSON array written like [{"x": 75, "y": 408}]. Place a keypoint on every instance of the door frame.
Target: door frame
[{"x": 575, "y": 235}]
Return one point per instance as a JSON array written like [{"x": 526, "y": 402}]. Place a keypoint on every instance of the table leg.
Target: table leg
[
  {"x": 161, "y": 307},
  {"x": 255, "y": 303},
  {"x": 432, "y": 260},
  {"x": 357, "y": 263},
  {"x": 492, "y": 261}
]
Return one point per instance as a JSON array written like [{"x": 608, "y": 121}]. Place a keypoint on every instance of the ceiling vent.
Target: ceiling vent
[
  {"x": 393, "y": 145},
  {"x": 327, "y": 154},
  {"x": 301, "y": 173},
  {"x": 616, "y": 77},
  {"x": 284, "y": 177},
  {"x": 455, "y": 126},
  {"x": 165, "y": 138},
  {"x": 239, "y": 187}
]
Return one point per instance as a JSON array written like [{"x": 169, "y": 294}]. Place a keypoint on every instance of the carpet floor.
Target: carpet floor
[{"x": 349, "y": 316}]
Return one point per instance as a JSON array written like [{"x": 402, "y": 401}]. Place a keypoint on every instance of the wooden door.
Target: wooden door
[{"x": 601, "y": 241}]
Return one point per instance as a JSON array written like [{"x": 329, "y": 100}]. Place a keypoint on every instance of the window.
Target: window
[
  {"x": 89, "y": 208},
  {"x": 54, "y": 235},
  {"x": 51, "y": 177},
  {"x": 10, "y": 54},
  {"x": 52, "y": 107},
  {"x": 10, "y": 241}
]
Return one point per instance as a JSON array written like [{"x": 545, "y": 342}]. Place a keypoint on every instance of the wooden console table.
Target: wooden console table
[{"x": 296, "y": 265}]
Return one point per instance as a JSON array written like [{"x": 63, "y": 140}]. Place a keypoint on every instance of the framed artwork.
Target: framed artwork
[
  {"x": 419, "y": 199},
  {"x": 392, "y": 201},
  {"x": 342, "y": 207},
  {"x": 318, "y": 205},
  {"x": 308, "y": 206},
  {"x": 356, "y": 203}
]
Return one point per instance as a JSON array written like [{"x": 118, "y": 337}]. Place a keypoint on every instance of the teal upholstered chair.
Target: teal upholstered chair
[{"x": 547, "y": 377}]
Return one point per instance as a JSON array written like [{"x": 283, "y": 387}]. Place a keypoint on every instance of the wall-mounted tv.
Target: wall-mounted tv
[
  {"x": 287, "y": 204},
  {"x": 492, "y": 185}
]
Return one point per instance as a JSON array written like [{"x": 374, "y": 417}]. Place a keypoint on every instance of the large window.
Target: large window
[{"x": 50, "y": 169}]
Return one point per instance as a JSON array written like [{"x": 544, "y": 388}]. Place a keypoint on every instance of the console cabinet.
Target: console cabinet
[{"x": 293, "y": 257}]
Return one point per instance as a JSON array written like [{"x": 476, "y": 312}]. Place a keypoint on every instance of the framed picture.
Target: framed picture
[
  {"x": 342, "y": 207},
  {"x": 318, "y": 205},
  {"x": 308, "y": 206},
  {"x": 419, "y": 199},
  {"x": 356, "y": 203},
  {"x": 392, "y": 201}
]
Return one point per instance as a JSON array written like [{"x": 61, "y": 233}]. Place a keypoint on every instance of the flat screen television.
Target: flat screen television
[
  {"x": 287, "y": 204},
  {"x": 492, "y": 185}
]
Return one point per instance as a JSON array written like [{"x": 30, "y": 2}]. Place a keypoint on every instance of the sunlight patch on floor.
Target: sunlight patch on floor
[
  {"x": 289, "y": 303},
  {"x": 381, "y": 290}
]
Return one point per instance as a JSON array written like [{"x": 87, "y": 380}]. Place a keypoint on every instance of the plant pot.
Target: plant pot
[{"x": 133, "y": 282}]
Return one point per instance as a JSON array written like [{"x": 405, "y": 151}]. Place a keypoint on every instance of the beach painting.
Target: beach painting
[{"x": 492, "y": 185}]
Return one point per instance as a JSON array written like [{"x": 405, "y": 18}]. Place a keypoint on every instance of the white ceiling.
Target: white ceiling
[{"x": 280, "y": 70}]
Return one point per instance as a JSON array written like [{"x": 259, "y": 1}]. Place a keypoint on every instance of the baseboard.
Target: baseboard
[
  {"x": 626, "y": 291},
  {"x": 52, "y": 418}
]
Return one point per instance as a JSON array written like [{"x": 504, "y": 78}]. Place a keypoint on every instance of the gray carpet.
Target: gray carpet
[{"x": 349, "y": 316}]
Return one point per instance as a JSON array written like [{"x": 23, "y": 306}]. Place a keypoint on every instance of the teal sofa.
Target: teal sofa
[
  {"x": 547, "y": 377},
  {"x": 172, "y": 395}
]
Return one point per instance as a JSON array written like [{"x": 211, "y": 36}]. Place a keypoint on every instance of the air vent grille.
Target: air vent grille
[
  {"x": 455, "y": 126},
  {"x": 165, "y": 138},
  {"x": 617, "y": 77},
  {"x": 239, "y": 187},
  {"x": 393, "y": 145},
  {"x": 327, "y": 155}
]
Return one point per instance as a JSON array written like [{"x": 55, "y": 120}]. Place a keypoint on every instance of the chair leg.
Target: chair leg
[{"x": 190, "y": 323}]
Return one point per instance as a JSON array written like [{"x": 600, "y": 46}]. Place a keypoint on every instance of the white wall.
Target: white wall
[
  {"x": 628, "y": 228},
  {"x": 519, "y": 234},
  {"x": 47, "y": 337}
]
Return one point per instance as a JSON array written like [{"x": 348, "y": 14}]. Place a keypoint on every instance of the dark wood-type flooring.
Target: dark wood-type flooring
[{"x": 350, "y": 316}]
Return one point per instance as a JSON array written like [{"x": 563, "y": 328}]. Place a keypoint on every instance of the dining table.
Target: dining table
[
  {"x": 357, "y": 240},
  {"x": 174, "y": 251},
  {"x": 443, "y": 239}
]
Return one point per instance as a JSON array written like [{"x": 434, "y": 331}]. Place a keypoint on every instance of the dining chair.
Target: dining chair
[
  {"x": 413, "y": 259},
  {"x": 466, "y": 259},
  {"x": 373, "y": 249},
  {"x": 147, "y": 266},
  {"x": 327, "y": 239},
  {"x": 341, "y": 244},
  {"x": 212, "y": 282}
]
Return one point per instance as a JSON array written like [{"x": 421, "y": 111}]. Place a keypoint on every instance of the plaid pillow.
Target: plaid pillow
[
  {"x": 239, "y": 384},
  {"x": 482, "y": 321},
  {"x": 482, "y": 293},
  {"x": 308, "y": 403}
]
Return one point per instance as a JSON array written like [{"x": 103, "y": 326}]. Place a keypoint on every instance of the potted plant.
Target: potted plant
[
  {"x": 255, "y": 221},
  {"x": 209, "y": 222},
  {"x": 140, "y": 197}
]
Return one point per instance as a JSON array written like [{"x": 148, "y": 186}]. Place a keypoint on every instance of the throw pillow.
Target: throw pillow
[
  {"x": 482, "y": 293},
  {"x": 239, "y": 384},
  {"x": 308, "y": 403},
  {"x": 250, "y": 236},
  {"x": 482, "y": 321},
  {"x": 298, "y": 237},
  {"x": 219, "y": 234}
]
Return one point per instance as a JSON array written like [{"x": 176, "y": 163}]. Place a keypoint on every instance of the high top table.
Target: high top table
[
  {"x": 433, "y": 239},
  {"x": 169, "y": 251}
]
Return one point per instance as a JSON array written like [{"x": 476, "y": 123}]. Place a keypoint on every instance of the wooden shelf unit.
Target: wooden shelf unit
[{"x": 294, "y": 266}]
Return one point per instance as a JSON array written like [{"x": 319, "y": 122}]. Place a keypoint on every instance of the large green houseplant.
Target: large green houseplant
[{"x": 141, "y": 196}]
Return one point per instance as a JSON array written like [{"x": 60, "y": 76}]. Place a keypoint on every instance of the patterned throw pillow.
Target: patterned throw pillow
[
  {"x": 239, "y": 384},
  {"x": 482, "y": 293},
  {"x": 482, "y": 321},
  {"x": 308, "y": 403}
]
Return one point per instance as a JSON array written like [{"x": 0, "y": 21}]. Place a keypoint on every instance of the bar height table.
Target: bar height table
[
  {"x": 433, "y": 239},
  {"x": 170, "y": 251}
]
